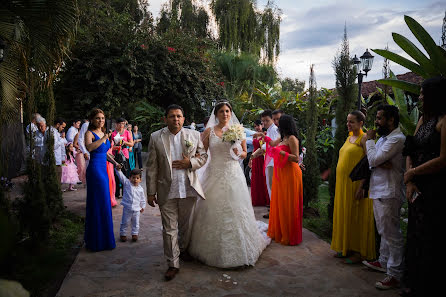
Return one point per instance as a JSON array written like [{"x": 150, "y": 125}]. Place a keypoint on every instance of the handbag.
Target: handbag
[{"x": 362, "y": 171}]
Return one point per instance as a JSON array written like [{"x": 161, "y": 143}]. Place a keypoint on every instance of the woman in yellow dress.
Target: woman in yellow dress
[{"x": 353, "y": 221}]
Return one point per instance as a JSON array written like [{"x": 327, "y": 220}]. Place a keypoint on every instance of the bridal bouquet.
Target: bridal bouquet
[{"x": 234, "y": 134}]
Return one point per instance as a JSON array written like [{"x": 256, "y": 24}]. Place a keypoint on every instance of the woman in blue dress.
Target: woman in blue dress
[{"x": 98, "y": 220}]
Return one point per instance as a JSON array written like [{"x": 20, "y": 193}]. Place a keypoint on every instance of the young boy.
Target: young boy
[{"x": 133, "y": 201}]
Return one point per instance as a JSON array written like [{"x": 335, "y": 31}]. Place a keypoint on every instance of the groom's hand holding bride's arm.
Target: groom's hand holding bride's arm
[
  {"x": 182, "y": 164},
  {"x": 200, "y": 157}
]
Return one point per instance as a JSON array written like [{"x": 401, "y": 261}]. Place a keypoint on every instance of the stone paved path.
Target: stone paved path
[{"x": 137, "y": 269}]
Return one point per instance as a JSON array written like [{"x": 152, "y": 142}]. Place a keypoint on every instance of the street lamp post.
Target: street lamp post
[{"x": 365, "y": 64}]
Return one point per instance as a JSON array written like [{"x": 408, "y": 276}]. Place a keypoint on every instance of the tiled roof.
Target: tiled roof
[{"x": 369, "y": 87}]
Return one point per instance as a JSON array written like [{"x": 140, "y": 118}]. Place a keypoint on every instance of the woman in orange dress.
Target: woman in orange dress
[{"x": 285, "y": 217}]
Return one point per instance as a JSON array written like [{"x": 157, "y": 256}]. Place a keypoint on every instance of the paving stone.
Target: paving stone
[{"x": 137, "y": 269}]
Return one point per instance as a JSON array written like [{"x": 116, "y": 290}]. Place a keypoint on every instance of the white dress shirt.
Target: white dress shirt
[
  {"x": 71, "y": 133},
  {"x": 180, "y": 187},
  {"x": 81, "y": 138},
  {"x": 387, "y": 183},
  {"x": 273, "y": 133},
  {"x": 59, "y": 148},
  {"x": 31, "y": 128},
  {"x": 39, "y": 146},
  {"x": 134, "y": 197}
]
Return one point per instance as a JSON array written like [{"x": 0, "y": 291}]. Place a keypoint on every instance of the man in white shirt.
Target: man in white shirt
[
  {"x": 32, "y": 127},
  {"x": 272, "y": 132},
  {"x": 386, "y": 189},
  {"x": 81, "y": 142},
  {"x": 174, "y": 156},
  {"x": 39, "y": 148},
  {"x": 71, "y": 133},
  {"x": 59, "y": 149}
]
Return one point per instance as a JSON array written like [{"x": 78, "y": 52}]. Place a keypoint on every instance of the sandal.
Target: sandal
[{"x": 355, "y": 259}]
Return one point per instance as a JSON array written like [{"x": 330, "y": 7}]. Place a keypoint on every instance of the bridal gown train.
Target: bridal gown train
[{"x": 225, "y": 232}]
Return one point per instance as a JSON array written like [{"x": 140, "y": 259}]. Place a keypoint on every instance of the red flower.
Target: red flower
[
  {"x": 222, "y": 83},
  {"x": 143, "y": 46},
  {"x": 171, "y": 49}
]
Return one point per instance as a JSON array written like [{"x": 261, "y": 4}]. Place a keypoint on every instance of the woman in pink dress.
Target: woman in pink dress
[
  {"x": 111, "y": 178},
  {"x": 126, "y": 141},
  {"x": 80, "y": 161},
  {"x": 259, "y": 191}
]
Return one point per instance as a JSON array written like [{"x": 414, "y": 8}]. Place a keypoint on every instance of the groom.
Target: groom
[{"x": 174, "y": 155}]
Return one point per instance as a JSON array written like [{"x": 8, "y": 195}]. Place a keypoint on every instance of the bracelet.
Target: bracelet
[{"x": 414, "y": 170}]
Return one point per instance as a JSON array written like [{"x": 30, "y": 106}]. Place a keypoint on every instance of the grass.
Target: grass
[
  {"x": 322, "y": 226},
  {"x": 42, "y": 270}
]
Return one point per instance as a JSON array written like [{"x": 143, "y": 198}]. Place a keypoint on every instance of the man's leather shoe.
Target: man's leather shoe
[
  {"x": 266, "y": 216},
  {"x": 123, "y": 238},
  {"x": 185, "y": 256},
  {"x": 134, "y": 238},
  {"x": 170, "y": 273}
]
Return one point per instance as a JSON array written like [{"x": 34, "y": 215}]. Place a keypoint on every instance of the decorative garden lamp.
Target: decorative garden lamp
[{"x": 365, "y": 64}]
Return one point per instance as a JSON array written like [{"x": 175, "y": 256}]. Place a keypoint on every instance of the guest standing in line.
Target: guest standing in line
[
  {"x": 59, "y": 147},
  {"x": 425, "y": 178},
  {"x": 111, "y": 163},
  {"x": 137, "y": 147},
  {"x": 272, "y": 132},
  {"x": 259, "y": 191},
  {"x": 386, "y": 191},
  {"x": 80, "y": 158},
  {"x": 353, "y": 221},
  {"x": 121, "y": 147},
  {"x": 82, "y": 166},
  {"x": 73, "y": 130},
  {"x": 132, "y": 163},
  {"x": 98, "y": 220},
  {"x": 285, "y": 217}
]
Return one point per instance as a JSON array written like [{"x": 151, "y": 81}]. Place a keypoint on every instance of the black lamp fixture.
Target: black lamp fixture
[
  {"x": 213, "y": 102},
  {"x": 2, "y": 49},
  {"x": 365, "y": 64}
]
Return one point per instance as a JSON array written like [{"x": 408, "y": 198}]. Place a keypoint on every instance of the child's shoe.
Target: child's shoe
[
  {"x": 134, "y": 238},
  {"x": 123, "y": 238}
]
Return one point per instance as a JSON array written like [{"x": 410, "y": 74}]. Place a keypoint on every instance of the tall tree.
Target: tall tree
[
  {"x": 243, "y": 28},
  {"x": 346, "y": 90},
  {"x": 311, "y": 177},
  {"x": 38, "y": 34},
  {"x": 184, "y": 15}
]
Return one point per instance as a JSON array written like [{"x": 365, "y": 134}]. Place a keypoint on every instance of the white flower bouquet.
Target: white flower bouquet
[{"x": 235, "y": 134}]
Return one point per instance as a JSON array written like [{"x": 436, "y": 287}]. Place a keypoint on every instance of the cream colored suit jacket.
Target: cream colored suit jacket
[{"x": 159, "y": 164}]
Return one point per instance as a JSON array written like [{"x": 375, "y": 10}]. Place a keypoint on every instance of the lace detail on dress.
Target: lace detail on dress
[{"x": 225, "y": 232}]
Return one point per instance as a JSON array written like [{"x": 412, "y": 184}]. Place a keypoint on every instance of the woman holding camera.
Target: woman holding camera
[
  {"x": 122, "y": 138},
  {"x": 98, "y": 219}
]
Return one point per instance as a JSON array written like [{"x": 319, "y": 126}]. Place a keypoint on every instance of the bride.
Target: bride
[{"x": 225, "y": 232}]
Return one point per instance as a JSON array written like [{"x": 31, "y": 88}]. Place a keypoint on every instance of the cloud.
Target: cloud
[
  {"x": 314, "y": 35},
  {"x": 312, "y": 31}
]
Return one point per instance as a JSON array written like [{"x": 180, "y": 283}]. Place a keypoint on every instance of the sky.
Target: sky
[{"x": 311, "y": 32}]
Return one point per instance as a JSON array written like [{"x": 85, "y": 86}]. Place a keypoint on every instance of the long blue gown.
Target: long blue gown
[{"x": 98, "y": 220}]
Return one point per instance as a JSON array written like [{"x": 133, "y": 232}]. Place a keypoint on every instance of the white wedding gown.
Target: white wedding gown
[{"x": 225, "y": 232}]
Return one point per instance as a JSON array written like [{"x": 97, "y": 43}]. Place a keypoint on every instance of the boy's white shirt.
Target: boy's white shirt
[{"x": 134, "y": 197}]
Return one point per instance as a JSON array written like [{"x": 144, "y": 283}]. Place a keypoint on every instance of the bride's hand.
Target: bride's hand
[{"x": 235, "y": 150}]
